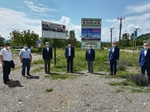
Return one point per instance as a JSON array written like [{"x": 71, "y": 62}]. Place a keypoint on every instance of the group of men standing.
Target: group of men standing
[{"x": 47, "y": 55}]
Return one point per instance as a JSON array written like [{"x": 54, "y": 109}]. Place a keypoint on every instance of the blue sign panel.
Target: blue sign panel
[{"x": 135, "y": 35}]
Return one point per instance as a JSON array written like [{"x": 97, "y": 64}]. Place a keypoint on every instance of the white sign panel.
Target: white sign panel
[{"x": 53, "y": 30}]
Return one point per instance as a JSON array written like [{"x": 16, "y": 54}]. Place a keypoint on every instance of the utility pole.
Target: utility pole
[
  {"x": 111, "y": 35},
  {"x": 120, "y": 27}
]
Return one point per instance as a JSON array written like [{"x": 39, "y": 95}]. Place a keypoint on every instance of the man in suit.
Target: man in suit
[
  {"x": 90, "y": 57},
  {"x": 47, "y": 56},
  {"x": 69, "y": 54},
  {"x": 144, "y": 60},
  {"x": 113, "y": 58}
]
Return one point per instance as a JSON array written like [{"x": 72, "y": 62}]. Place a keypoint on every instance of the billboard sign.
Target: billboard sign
[
  {"x": 53, "y": 30},
  {"x": 91, "y": 33}
]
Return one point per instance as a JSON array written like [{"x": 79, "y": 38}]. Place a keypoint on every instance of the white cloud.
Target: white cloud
[
  {"x": 11, "y": 19},
  {"x": 141, "y": 21},
  {"x": 70, "y": 26},
  {"x": 140, "y": 8},
  {"x": 39, "y": 7}
]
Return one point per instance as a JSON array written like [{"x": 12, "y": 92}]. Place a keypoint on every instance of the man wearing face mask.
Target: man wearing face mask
[
  {"x": 69, "y": 54},
  {"x": 6, "y": 57},
  {"x": 144, "y": 60},
  {"x": 113, "y": 58},
  {"x": 90, "y": 57},
  {"x": 47, "y": 56},
  {"x": 25, "y": 58}
]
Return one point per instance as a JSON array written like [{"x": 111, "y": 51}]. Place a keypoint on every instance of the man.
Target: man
[
  {"x": 69, "y": 54},
  {"x": 47, "y": 56},
  {"x": 90, "y": 57},
  {"x": 25, "y": 58},
  {"x": 113, "y": 58},
  {"x": 6, "y": 57},
  {"x": 144, "y": 60}
]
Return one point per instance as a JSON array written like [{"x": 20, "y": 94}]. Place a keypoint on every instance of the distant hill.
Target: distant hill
[{"x": 144, "y": 37}]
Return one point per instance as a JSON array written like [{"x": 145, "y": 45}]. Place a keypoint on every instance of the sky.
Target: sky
[{"x": 28, "y": 14}]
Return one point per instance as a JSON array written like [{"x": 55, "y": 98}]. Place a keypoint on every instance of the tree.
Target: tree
[
  {"x": 1, "y": 41},
  {"x": 125, "y": 40},
  {"x": 25, "y": 37},
  {"x": 72, "y": 37}
]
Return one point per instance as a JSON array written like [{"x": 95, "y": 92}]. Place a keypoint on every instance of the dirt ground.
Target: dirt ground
[{"x": 85, "y": 93}]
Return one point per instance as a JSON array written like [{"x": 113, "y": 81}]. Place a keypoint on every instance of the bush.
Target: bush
[
  {"x": 122, "y": 65},
  {"x": 139, "y": 79}
]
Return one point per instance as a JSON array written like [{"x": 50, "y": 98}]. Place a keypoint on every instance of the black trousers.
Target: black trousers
[
  {"x": 6, "y": 71},
  {"x": 70, "y": 63},
  {"x": 113, "y": 67},
  {"x": 147, "y": 68}
]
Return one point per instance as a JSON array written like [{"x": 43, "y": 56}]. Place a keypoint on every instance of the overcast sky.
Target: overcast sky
[{"x": 25, "y": 14}]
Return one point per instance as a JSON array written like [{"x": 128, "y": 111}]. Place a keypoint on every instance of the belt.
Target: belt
[{"x": 26, "y": 58}]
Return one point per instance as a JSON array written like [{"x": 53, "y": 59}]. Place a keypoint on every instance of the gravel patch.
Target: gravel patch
[{"x": 86, "y": 93}]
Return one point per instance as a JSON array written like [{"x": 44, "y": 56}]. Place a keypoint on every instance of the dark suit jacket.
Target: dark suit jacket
[
  {"x": 144, "y": 59},
  {"x": 67, "y": 52},
  {"x": 47, "y": 54},
  {"x": 114, "y": 55},
  {"x": 91, "y": 56}
]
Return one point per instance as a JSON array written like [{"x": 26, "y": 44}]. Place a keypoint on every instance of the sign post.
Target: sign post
[{"x": 54, "y": 31}]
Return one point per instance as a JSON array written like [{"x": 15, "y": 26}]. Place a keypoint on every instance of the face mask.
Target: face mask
[
  {"x": 69, "y": 45},
  {"x": 89, "y": 47},
  {"x": 113, "y": 45},
  {"x": 8, "y": 47},
  {"x": 145, "y": 47},
  {"x": 47, "y": 45},
  {"x": 25, "y": 47}
]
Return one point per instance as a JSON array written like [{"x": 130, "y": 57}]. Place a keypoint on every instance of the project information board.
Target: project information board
[{"x": 91, "y": 33}]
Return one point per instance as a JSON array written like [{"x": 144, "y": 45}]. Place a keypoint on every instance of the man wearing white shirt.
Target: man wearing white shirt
[
  {"x": 144, "y": 59},
  {"x": 6, "y": 57}
]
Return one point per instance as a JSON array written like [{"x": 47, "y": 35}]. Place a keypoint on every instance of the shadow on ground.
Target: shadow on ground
[
  {"x": 99, "y": 73},
  {"x": 15, "y": 83},
  {"x": 33, "y": 77}
]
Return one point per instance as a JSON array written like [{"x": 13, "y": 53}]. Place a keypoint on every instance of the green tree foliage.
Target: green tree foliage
[
  {"x": 72, "y": 37},
  {"x": 25, "y": 37},
  {"x": 1, "y": 41}
]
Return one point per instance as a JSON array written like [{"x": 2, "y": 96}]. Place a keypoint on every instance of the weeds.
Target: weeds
[{"x": 49, "y": 90}]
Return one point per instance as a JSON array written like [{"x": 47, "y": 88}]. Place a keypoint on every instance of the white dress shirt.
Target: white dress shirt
[
  {"x": 69, "y": 51},
  {"x": 47, "y": 48},
  {"x": 7, "y": 55},
  {"x": 113, "y": 50},
  {"x": 145, "y": 52},
  {"x": 89, "y": 51}
]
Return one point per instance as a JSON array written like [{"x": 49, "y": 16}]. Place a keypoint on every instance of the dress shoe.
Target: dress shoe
[
  {"x": 29, "y": 75},
  {"x": 49, "y": 73},
  {"x": 8, "y": 82}
]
